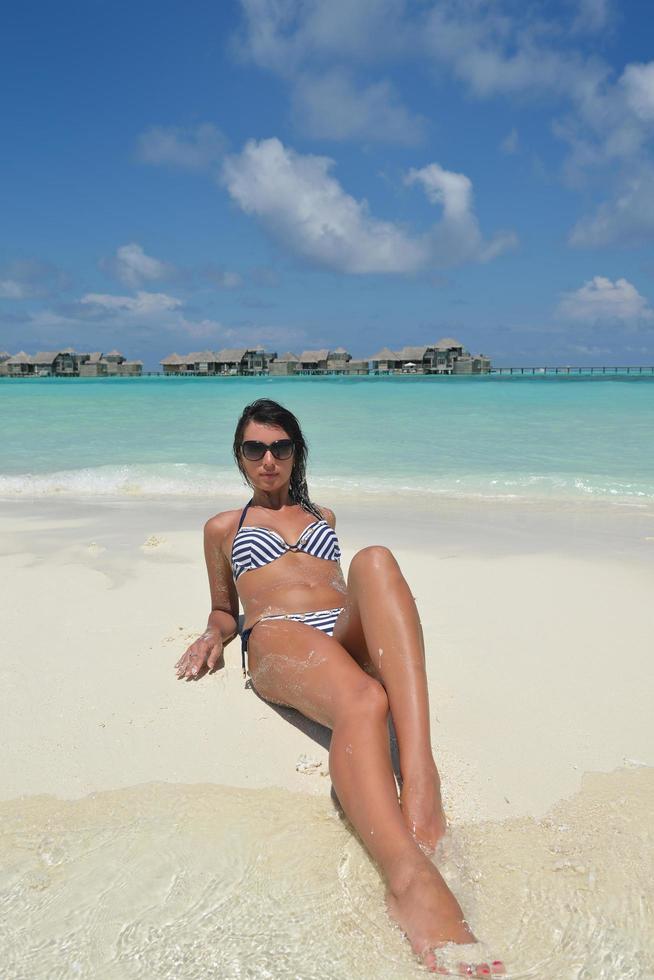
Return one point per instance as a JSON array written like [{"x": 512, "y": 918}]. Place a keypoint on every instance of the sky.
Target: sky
[{"x": 301, "y": 174}]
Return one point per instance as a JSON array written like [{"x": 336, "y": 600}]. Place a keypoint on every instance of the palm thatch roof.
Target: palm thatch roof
[
  {"x": 445, "y": 343},
  {"x": 385, "y": 354},
  {"x": 313, "y": 356},
  {"x": 45, "y": 357},
  {"x": 231, "y": 355},
  {"x": 412, "y": 353},
  {"x": 288, "y": 357}
]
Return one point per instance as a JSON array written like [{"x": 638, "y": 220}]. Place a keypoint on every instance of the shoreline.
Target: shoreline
[
  {"x": 536, "y": 624},
  {"x": 481, "y": 525}
]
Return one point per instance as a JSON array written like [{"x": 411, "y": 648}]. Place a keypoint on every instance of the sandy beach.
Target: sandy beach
[
  {"x": 538, "y": 622},
  {"x": 538, "y": 627}
]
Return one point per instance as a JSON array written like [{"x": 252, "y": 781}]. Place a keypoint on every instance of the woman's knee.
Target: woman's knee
[
  {"x": 366, "y": 697},
  {"x": 374, "y": 560}
]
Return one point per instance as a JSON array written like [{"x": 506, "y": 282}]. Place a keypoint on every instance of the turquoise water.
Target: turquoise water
[{"x": 498, "y": 436}]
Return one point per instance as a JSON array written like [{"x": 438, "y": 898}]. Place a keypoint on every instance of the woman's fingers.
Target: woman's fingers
[
  {"x": 198, "y": 660},
  {"x": 187, "y": 663},
  {"x": 215, "y": 655},
  {"x": 196, "y": 664}
]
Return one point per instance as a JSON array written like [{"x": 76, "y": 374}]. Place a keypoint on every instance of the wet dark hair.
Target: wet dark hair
[{"x": 267, "y": 412}]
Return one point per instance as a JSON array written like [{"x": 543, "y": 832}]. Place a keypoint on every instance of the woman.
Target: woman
[{"x": 342, "y": 654}]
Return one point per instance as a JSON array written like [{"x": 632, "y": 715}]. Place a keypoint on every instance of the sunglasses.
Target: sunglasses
[{"x": 281, "y": 449}]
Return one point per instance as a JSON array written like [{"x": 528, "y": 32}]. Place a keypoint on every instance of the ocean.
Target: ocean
[{"x": 483, "y": 437}]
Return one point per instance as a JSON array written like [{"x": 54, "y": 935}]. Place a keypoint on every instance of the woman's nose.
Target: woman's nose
[{"x": 268, "y": 458}]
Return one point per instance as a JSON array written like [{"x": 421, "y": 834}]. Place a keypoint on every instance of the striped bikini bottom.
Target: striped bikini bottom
[{"x": 322, "y": 619}]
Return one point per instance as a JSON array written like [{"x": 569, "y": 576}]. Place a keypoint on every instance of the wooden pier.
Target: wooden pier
[{"x": 567, "y": 369}]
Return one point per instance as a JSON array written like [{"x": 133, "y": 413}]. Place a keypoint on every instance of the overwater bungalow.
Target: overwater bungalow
[
  {"x": 338, "y": 361},
  {"x": 385, "y": 361},
  {"x": 453, "y": 358},
  {"x": 229, "y": 361},
  {"x": 172, "y": 364},
  {"x": 416, "y": 360},
  {"x": 447, "y": 356},
  {"x": 243, "y": 360},
  {"x": 108, "y": 365},
  {"x": 70, "y": 363},
  {"x": 283, "y": 365},
  {"x": 313, "y": 361},
  {"x": 21, "y": 364}
]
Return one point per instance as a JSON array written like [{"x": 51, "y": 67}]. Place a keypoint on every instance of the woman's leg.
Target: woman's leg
[
  {"x": 381, "y": 629},
  {"x": 293, "y": 664}
]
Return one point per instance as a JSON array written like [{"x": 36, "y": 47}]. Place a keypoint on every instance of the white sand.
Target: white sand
[{"x": 538, "y": 623}]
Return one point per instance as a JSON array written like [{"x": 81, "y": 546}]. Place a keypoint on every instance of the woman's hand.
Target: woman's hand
[{"x": 202, "y": 657}]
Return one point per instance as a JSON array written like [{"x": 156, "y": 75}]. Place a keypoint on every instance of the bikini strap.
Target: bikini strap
[{"x": 245, "y": 510}]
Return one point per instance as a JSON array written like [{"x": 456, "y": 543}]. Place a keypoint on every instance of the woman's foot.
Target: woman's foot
[
  {"x": 422, "y": 807},
  {"x": 427, "y": 911}
]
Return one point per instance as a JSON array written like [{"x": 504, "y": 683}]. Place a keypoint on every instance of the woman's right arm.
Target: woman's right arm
[{"x": 205, "y": 653}]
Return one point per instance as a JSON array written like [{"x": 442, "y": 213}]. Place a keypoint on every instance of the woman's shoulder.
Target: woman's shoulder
[
  {"x": 221, "y": 525},
  {"x": 328, "y": 515}
]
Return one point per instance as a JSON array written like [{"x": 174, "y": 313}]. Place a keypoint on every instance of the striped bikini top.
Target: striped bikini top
[{"x": 255, "y": 547}]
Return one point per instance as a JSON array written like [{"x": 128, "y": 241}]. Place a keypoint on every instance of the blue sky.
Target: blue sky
[{"x": 302, "y": 174}]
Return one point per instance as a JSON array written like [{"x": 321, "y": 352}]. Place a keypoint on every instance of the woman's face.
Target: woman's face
[{"x": 268, "y": 473}]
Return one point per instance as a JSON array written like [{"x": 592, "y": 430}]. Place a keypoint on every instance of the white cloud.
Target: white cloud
[
  {"x": 457, "y": 238},
  {"x": 627, "y": 218},
  {"x": 305, "y": 208},
  {"x": 298, "y": 202},
  {"x": 452, "y": 190},
  {"x": 637, "y": 81},
  {"x": 132, "y": 266},
  {"x": 282, "y": 35},
  {"x": 494, "y": 47},
  {"x": 195, "y": 148},
  {"x": 10, "y": 289},
  {"x": 602, "y": 301},
  {"x": 495, "y": 52},
  {"x": 143, "y": 304},
  {"x": 332, "y": 106},
  {"x": 592, "y": 16},
  {"x": 298, "y": 40}
]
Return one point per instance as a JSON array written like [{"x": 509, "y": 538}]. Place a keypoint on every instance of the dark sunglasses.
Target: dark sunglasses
[{"x": 281, "y": 449}]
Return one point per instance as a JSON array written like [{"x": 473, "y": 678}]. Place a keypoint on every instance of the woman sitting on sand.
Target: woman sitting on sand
[{"x": 343, "y": 655}]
